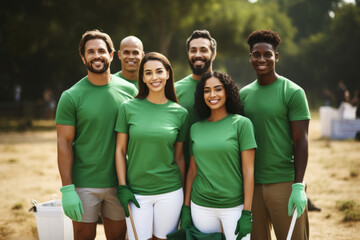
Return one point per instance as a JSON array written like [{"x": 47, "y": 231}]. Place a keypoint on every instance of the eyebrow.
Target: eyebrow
[
  {"x": 215, "y": 86},
  {"x": 160, "y": 68}
]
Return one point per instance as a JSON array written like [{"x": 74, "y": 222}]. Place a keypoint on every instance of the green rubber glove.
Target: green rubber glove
[
  {"x": 125, "y": 195},
  {"x": 71, "y": 203},
  {"x": 185, "y": 217},
  {"x": 297, "y": 198},
  {"x": 244, "y": 224}
]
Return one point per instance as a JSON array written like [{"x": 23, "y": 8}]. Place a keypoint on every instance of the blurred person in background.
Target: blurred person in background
[{"x": 130, "y": 54}]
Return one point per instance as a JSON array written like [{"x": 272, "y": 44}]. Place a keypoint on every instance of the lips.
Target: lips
[
  {"x": 97, "y": 62},
  {"x": 155, "y": 84},
  {"x": 214, "y": 102},
  {"x": 262, "y": 67}
]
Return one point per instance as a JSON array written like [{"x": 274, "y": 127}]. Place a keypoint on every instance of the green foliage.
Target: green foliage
[
  {"x": 351, "y": 210},
  {"x": 17, "y": 206},
  {"x": 39, "y": 38}
]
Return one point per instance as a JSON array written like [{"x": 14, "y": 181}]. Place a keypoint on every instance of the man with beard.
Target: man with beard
[
  {"x": 201, "y": 48},
  {"x": 85, "y": 122},
  {"x": 130, "y": 54}
]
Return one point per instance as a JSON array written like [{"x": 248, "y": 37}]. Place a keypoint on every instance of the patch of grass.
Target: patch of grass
[
  {"x": 354, "y": 173},
  {"x": 17, "y": 206},
  {"x": 345, "y": 205},
  {"x": 13, "y": 160},
  {"x": 351, "y": 210}
]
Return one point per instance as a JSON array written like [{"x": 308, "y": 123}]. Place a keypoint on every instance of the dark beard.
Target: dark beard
[
  {"x": 91, "y": 69},
  {"x": 200, "y": 70}
]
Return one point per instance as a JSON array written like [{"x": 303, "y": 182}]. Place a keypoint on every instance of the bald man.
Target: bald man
[{"x": 130, "y": 54}]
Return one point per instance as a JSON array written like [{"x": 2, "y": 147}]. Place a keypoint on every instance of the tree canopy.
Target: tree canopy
[{"x": 39, "y": 38}]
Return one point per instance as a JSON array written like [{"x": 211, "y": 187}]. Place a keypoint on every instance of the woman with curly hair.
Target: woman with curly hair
[{"x": 220, "y": 179}]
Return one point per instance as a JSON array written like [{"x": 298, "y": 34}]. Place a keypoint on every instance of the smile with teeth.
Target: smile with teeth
[
  {"x": 262, "y": 67},
  {"x": 155, "y": 84},
  {"x": 214, "y": 101},
  {"x": 97, "y": 62}
]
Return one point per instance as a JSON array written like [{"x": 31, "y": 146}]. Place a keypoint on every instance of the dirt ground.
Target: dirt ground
[{"x": 28, "y": 170}]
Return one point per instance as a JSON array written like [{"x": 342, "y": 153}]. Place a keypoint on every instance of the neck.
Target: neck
[
  {"x": 130, "y": 75},
  {"x": 217, "y": 114},
  {"x": 99, "y": 79},
  {"x": 157, "y": 97},
  {"x": 267, "y": 78}
]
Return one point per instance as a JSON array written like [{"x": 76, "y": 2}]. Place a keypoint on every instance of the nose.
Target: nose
[
  {"x": 197, "y": 54},
  {"x": 212, "y": 93},
  {"x": 262, "y": 58}
]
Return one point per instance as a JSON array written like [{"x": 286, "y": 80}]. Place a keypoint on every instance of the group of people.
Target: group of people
[{"x": 199, "y": 152}]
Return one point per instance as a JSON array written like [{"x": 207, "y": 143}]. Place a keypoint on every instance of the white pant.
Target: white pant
[
  {"x": 210, "y": 220},
  {"x": 158, "y": 215}
]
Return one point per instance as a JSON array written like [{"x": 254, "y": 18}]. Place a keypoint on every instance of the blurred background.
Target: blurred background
[{"x": 39, "y": 43}]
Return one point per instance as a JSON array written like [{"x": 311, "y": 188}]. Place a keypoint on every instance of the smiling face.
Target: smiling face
[
  {"x": 263, "y": 58},
  {"x": 130, "y": 54},
  {"x": 214, "y": 94},
  {"x": 200, "y": 56},
  {"x": 155, "y": 76},
  {"x": 96, "y": 57}
]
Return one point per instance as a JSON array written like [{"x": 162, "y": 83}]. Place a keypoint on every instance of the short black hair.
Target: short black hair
[
  {"x": 202, "y": 34},
  {"x": 264, "y": 36},
  {"x": 232, "y": 103}
]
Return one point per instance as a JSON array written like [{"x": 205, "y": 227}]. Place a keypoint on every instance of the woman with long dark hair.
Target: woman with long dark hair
[{"x": 149, "y": 151}]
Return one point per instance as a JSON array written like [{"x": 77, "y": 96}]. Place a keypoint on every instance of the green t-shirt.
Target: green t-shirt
[
  {"x": 135, "y": 82},
  {"x": 153, "y": 130},
  {"x": 93, "y": 110},
  {"x": 271, "y": 108},
  {"x": 185, "y": 90},
  {"x": 217, "y": 148}
]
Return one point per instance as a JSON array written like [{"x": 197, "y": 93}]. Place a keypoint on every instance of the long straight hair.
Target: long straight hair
[{"x": 169, "y": 86}]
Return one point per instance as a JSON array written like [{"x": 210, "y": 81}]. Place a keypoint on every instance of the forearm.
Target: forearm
[
  {"x": 65, "y": 161},
  {"x": 189, "y": 181},
  {"x": 248, "y": 188},
  {"x": 300, "y": 148},
  {"x": 180, "y": 160},
  {"x": 300, "y": 161},
  {"x": 181, "y": 164},
  {"x": 191, "y": 174},
  {"x": 120, "y": 163},
  {"x": 247, "y": 157}
]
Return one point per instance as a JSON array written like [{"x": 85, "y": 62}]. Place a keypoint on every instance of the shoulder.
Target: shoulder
[
  {"x": 118, "y": 74},
  {"x": 123, "y": 83},
  {"x": 290, "y": 85},
  {"x": 77, "y": 88},
  {"x": 247, "y": 88},
  {"x": 177, "y": 107},
  {"x": 183, "y": 81}
]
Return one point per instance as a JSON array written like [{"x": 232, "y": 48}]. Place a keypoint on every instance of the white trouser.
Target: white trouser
[
  {"x": 210, "y": 220},
  {"x": 158, "y": 215}
]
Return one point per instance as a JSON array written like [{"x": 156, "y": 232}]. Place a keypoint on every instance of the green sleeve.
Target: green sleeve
[
  {"x": 66, "y": 113},
  {"x": 298, "y": 106},
  {"x": 246, "y": 135},
  {"x": 122, "y": 121}
]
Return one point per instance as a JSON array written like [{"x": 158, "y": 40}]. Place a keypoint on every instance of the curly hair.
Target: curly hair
[
  {"x": 264, "y": 36},
  {"x": 232, "y": 103}
]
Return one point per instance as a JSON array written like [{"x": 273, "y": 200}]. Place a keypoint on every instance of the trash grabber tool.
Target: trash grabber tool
[
  {"x": 132, "y": 224},
  {"x": 292, "y": 224}
]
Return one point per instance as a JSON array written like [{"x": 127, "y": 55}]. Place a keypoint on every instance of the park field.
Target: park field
[{"x": 28, "y": 170}]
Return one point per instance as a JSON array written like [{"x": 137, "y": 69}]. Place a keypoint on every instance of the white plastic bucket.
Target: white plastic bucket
[{"x": 52, "y": 224}]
